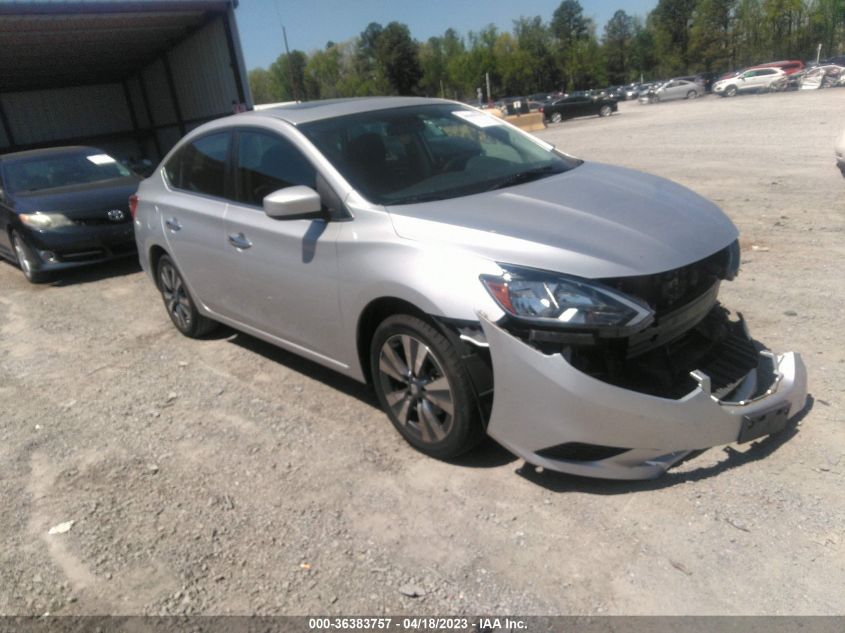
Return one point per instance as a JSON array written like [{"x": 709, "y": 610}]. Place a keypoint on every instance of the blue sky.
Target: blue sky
[{"x": 312, "y": 23}]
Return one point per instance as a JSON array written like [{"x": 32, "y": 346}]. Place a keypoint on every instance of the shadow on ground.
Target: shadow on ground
[
  {"x": 487, "y": 455},
  {"x": 95, "y": 272}
]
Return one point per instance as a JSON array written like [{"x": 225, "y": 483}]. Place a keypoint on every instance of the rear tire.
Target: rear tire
[
  {"x": 556, "y": 117},
  {"x": 424, "y": 387},
  {"x": 26, "y": 262},
  {"x": 178, "y": 301},
  {"x": 692, "y": 94},
  {"x": 605, "y": 110}
]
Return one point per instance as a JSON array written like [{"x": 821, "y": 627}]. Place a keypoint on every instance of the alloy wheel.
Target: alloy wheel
[
  {"x": 22, "y": 255},
  {"x": 175, "y": 296},
  {"x": 416, "y": 388}
]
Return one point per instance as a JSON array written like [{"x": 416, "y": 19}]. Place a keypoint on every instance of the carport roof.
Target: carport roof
[{"x": 57, "y": 44}]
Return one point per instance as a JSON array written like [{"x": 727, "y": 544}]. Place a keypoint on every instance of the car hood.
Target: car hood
[
  {"x": 593, "y": 221},
  {"x": 78, "y": 201}
]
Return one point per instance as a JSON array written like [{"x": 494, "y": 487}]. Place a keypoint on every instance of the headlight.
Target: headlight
[
  {"x": 554, "y": 299},
  {"x": 41, "y": 221}
]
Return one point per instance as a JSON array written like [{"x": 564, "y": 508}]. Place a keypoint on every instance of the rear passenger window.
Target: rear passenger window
[
  {"x": 267, "y": 163},
  {"x": 200, "y": 166}
]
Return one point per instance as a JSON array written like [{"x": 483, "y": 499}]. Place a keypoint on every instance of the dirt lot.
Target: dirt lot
[{"x": 226, "y": 476}]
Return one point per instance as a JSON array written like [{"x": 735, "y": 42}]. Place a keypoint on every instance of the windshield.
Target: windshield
[
  {"x": 61, "y": 170},
  {"x": 431, "y": 152}
]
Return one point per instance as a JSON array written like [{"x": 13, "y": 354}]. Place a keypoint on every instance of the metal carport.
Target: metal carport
[{"x": 130, "y": 77}]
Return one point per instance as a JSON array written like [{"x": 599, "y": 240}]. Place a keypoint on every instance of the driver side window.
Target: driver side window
[{"x": 266, "y": 163}]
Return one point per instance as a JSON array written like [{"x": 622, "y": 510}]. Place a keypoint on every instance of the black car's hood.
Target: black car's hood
[{"x": 79, "y": 201}]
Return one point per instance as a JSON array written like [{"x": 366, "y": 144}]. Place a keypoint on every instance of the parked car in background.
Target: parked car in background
[
  {"x": 677, "y": 89},
  {"x": 826, "y": 76},
  {"x": 578, "y": 104},
  {"x": 64, "y": 207},
  {"x": 839, "y": 150},
  {"x": 787, "y": 66},
  {"x": 426, "y": 247},
  {"x": 615, "y": 92},
  {"x": 632, "y": 91},
  {"x": 546, "y": 97},
  {"x": 752, "y": 80}
]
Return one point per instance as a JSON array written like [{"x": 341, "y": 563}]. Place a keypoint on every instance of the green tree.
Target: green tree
[
  {"x": 643, "y": 58},
  {"x": 618, "y": 42},
  {"x": 323, "y": 70},
  {"x": 370, "y": 75},
  {"x": 536, "y": 48},
  {"x": 572, "y": 30},
  {"x": 711, "y": 35},
  {"x": 288, "y": 72},
  {"x": 672, "y": 24},
  {"x": 433, "y": 67},
  {"x": 263, "y": 86},
  {"x": 397, "y": 56}
]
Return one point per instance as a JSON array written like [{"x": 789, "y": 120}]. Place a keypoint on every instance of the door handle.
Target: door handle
[
  {"x": 239, "y": 241},
  {"x": 173, "y": 224}
]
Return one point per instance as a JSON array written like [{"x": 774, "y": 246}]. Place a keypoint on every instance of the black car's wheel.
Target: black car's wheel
[
  {"x": 730, "y": 91},
  {"x": 556, "y": 117},
  {"x": 26, "y": 260},
  {"x": 605, "y": 110},
  {"x": 180, "y": 306},
  {"x": 692, "y": 94},
  {"x": 424, "y": 388}
]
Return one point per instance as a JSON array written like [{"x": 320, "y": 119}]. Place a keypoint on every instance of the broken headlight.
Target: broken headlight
[{"x": 560, "y": 300}]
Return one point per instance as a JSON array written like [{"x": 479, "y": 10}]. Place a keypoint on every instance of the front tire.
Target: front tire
[
  {"x": 730, "y": 91},
  {"x": 180, "y": 306},
  {"x": 605, "y": 110},
  {"x": 424, "y": 387},
  {"x": 26, "y": 261}
]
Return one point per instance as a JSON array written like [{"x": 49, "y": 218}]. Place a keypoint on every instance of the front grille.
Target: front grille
[
  {"x": 101, "y": 221},
  {"x": 669, "y": 290},
  {"x": 716, "y": 346}
]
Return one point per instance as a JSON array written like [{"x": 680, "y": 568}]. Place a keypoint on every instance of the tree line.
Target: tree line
[{"x": 678, "y": 37}]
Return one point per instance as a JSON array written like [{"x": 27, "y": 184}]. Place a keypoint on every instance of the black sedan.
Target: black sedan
[
  {"x": 578, "y": 105},
  {"x": 64, "y": 207}
]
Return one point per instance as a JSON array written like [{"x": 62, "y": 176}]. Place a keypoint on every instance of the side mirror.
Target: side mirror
[{"x": 292, "y": 202}]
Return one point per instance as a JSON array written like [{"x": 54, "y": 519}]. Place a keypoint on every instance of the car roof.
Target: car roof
[
  {"x": 308, "y": 111},
  {"x": 48, "y": 151}
]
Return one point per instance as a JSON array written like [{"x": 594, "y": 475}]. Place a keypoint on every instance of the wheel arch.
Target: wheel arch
[
  {"x": 477, "y": 361},
  {"x": 155, "y": 254},
  {"x": 372, "y": 315}
]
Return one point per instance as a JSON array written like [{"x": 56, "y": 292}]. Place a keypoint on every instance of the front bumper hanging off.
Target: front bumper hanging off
[{"x": 553, "y": 415}]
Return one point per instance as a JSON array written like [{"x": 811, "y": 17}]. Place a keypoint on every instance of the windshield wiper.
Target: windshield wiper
[{"x": 528, "y": 175}]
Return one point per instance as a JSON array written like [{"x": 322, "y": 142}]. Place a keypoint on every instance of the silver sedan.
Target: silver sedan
[
  {"x": 678, "y": 89},
  {"x": 479, "y": 279}
]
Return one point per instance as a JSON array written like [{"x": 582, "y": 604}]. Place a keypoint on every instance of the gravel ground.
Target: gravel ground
[{"x": 226, "y": 476}]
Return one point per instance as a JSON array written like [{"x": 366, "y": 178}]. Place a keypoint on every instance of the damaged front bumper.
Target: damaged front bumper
[{"x": 553, "y": 415}]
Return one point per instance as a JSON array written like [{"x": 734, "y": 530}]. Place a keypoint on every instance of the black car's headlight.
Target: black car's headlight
[
  {"x": 40, "y": 220},
  {"x": 553, "y": 299}
]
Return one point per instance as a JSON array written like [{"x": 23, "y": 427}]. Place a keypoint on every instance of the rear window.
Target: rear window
[{"x": 61, "y": 170}]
